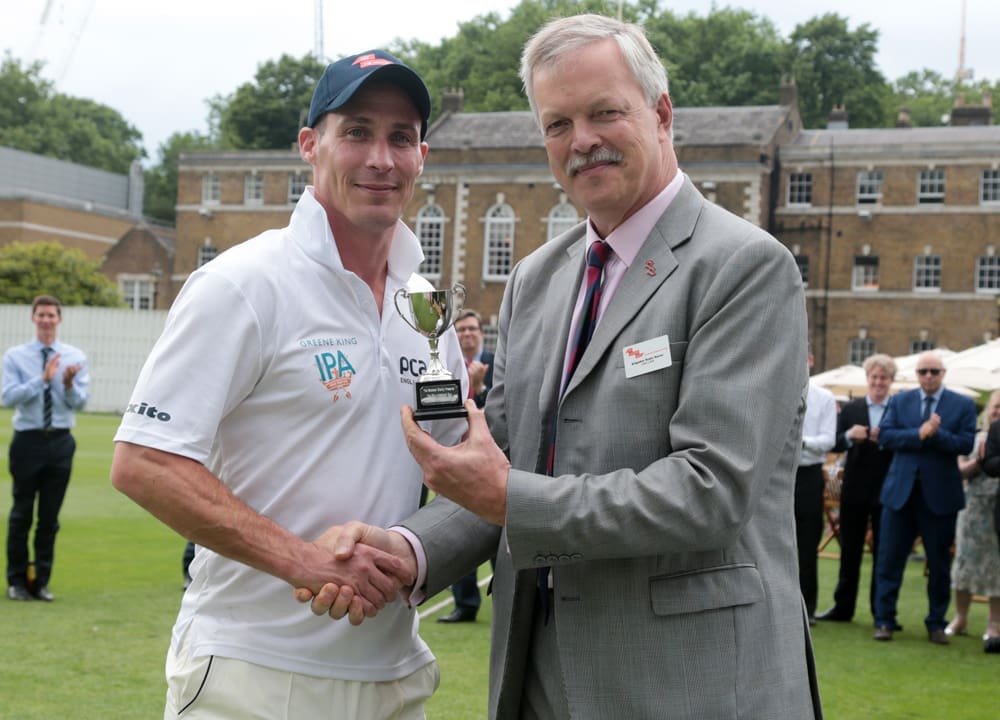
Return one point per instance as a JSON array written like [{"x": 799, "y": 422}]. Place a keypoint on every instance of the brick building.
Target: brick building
[
  {"x": 895, "y": 230},
  {"x": 896, "y": 233},
  {"x": 486, "y": 198}
]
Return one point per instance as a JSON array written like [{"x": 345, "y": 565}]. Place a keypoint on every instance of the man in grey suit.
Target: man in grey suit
[{"x": 649, "y": 475}]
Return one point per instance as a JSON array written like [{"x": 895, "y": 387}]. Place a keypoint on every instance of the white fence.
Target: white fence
[{"x": 115, "y": 341}]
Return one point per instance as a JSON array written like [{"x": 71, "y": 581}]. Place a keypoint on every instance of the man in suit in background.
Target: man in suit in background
[
  {"x": 469, "y": 327},
  {"x": 638, "y": 484},
  {"x": 865, "y": 469},
  {"x": 46, "y": 382},
  {"x": 927, "y": 428}
]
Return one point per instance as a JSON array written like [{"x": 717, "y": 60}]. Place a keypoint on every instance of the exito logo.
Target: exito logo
[
  {"x": 335, "y": 372},
  {"x": 150, "y": 411}
]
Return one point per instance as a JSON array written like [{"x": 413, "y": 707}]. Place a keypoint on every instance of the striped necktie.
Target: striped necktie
[{"x": 47, "y": 393}]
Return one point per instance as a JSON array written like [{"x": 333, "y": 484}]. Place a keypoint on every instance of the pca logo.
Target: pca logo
[{"x": 336, "y": 373}]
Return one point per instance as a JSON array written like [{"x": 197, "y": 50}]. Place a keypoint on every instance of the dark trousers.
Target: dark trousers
[
  {"x": 40, "y": 465},
  {"x": 853, "y": 529},
  {"x": 466, "y": 592},
  {"x": 809, "y": 529},
  {"x": 899, "y": 531}
]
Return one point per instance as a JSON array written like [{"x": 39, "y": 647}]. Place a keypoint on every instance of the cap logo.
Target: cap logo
[{"x": 369, "y": 60}]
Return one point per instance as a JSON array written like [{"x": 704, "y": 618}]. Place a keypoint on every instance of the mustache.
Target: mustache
[{"x": 598, "y": 156}]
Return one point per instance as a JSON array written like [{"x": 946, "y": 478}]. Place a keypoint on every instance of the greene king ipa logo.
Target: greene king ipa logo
[{"x": 335, "y": 372}]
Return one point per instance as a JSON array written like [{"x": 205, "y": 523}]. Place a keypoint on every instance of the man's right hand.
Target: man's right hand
[{"x": 357, "y": 544}]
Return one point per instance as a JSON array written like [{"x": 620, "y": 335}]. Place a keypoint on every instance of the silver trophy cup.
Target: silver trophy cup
[{"x": 431, "y": 313}]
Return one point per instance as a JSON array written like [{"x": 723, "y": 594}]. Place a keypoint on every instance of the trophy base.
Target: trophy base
[{"x": 439, "y": 399}]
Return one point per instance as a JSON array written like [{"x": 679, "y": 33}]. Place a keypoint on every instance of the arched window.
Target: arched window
[
  {"x": 430, "y": 232},
  {"x": 499, "y": 252},
  {"x": 561, "y": 218}
]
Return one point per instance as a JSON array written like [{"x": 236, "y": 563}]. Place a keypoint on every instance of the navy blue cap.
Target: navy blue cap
[{"x": 348, "y": 75}]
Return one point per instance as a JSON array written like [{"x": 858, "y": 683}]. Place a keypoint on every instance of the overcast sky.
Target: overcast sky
[{"x": 157, "y": 62}]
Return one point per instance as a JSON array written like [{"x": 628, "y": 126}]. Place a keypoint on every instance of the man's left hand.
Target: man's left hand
[{"x": 472, "y": 473}]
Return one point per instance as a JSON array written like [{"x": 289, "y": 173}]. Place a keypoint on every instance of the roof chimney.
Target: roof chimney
[
  {"x": 788, "y": 92},
  {"x": 452, "y": 100},
  {"x": 979, "y": 114},
  {"x": 838, "y": 118},
  {"x": 903, "y": 119}
]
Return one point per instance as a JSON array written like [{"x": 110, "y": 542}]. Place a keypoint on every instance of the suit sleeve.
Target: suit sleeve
[
  {"x": 894, "y": 434},
  {"x": 957, "y": 437}
]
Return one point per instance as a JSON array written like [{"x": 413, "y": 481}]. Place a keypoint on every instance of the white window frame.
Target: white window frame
[
  {"x": 869, "y": 187},
  {"x": 206, "y": 253},
  {"x": 800, "y": 189},
  {"x": 919, "y": 346},
  {"x": 211, "y": 189},
  {"x": 988, "y": 274},
  {"x": 561, "y": 218},
  {"x": 989, "y": 187},
  {"x": 253, "y": 189},
  {"x": 930, "y": 186},
  {"x": 498, "y": 247},
  {"x": 859, "y": 349},
  {"x": 430, "y": 232},
  {"x": 927, "y": 273},
  {"x": 138, "y": 291},
  {"x": 802, "y": 262},
  {"x": 864, "y": 275},
  {"x": 297, "y": 181}
]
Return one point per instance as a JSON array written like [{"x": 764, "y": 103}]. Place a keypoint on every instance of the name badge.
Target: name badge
[{"x": 647, "y": 356}]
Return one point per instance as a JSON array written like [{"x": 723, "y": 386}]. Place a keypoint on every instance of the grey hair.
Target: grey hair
[
  {"x": 882, "y": 361},
  {"x": 561, "y": 36}
]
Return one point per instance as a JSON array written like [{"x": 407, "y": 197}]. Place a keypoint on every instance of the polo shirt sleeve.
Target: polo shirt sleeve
[{"x": 207, "y": 360}]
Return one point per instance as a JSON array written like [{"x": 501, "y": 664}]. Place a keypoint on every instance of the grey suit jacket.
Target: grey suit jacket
[{"x": 668, "y": 522}]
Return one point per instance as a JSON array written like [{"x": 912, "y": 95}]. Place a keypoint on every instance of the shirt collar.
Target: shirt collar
[
  {"x": 627, "y": 239},
  {"x": 311, "y": 230}
]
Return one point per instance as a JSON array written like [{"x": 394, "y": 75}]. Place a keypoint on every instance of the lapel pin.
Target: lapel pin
[{"x": 650, "y": 268}]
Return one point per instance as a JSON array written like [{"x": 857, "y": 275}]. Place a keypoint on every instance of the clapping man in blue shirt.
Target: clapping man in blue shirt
[{"x": 45, "y": 381}]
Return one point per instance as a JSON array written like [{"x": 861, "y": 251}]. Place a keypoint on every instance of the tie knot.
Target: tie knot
[
  {"x": 598, "y": 254},
  {"x": 46, "y": 351}
]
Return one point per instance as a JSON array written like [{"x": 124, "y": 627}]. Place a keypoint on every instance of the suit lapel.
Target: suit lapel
[
  {"x": 555, "y": 326},
  {"x": 674, "y": 228}
]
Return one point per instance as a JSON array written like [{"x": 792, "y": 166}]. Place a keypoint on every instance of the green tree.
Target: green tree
[
  {"x": 266, "y": 114},
  {"x": 160, "y": 199},
  {"x": 484, "y": 56},
  {"x": 834, "y": 65},
  {"x": 27, "y": 270},
  {"x": 729, "y": 57},
  {"x": 36, "y": 119}
]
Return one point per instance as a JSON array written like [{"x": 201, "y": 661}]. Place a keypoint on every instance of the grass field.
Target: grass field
[{"x": 98, "y": 650}]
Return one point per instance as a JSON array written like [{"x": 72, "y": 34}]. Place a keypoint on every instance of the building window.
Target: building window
[
  {"x": 800, "y": 189},
  {"x": 988, "y": 273},
  {"x": 865, "y": 276},
  {"x": 253, "y": 189},
  {"x": 296, "y": 186},
  {"x": 206, "y": 253},
  {"x": 919, "y": 346},
  {"x": 930, "y": 188},
  {"x": 803, "y": 262},
  {"x": 430, "y": 232},
  {"x": 561, "y": 218},
  {"x": 869, "y": 187},
  {"x": 499, "y": 255},
  {"x": 137, "y": 293},
  {"x": 990, "y": 192},
  {"x": 927, "y": 273},
  {"x": 490, "y": 333},
  {"x": 211, "y": 189},
  {"x": 860, "y": 348}
]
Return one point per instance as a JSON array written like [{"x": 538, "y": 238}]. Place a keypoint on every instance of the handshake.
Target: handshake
[
  {"x": 369, "y": 566},
  {"x": 361, "y": 567}
]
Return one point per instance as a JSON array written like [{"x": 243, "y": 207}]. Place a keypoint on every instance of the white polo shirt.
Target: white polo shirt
[{"x": 276, "y": 371}]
